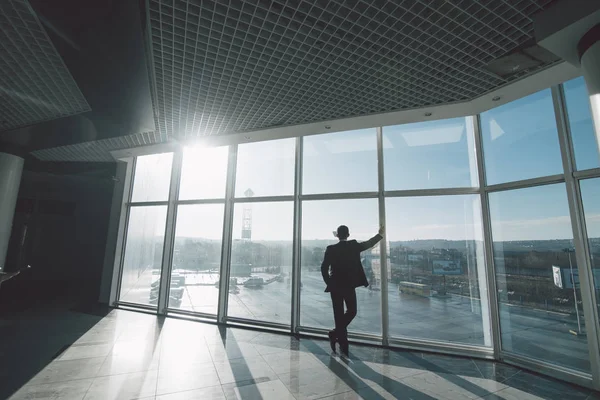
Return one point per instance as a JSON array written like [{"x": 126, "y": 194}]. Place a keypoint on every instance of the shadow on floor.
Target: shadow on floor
[{"x": 36, "y": 332}]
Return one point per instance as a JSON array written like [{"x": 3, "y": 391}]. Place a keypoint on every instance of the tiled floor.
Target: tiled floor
[{"x": 127, "y": 355}]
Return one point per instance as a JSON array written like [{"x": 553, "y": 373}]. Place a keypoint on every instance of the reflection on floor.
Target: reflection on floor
[{"x": 57, "y": 354}]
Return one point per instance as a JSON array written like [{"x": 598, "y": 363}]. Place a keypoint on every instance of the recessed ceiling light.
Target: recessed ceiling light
[
  {"x": 428, "y": 114},
  {"x": 496, "y": 98}
]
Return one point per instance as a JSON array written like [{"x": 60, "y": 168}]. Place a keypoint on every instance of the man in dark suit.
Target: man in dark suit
[{"x": 345, "y": 276}]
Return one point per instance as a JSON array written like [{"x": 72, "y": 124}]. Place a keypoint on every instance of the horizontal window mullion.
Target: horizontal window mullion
[
  {"x": 340, "y": 196},
  {"x": 588, "y": 173},
  {"x": 147, "y": 203},
  {"x": 263, "y": 199},
  {"x": 431, "y": 192},
  {"x": 546, "y": 180},
  {"x": 199, "y": 201}
]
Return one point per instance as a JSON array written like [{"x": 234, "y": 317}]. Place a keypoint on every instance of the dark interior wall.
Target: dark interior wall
[{"x": 67, "y": 219}]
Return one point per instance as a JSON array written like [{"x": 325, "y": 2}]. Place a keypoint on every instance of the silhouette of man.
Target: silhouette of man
[{"x": 346, "y": 275}]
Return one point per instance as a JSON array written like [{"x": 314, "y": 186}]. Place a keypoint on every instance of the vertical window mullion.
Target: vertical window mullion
[
  {"x": 582, "y": 254},
  {"x": 227, "y": 235},
  {"x": 167, "y": 259},
  {"x": 383, "y": 244},
  {"x": 297, "y": 240}
]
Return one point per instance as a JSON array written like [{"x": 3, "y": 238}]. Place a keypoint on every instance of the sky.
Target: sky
[{"x": 520, "y": 142}]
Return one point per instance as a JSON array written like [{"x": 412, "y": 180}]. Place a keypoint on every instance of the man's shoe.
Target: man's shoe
[{"x": 332, "y": 339}]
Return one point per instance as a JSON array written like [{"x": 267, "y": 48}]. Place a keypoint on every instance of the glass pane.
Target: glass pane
[
  {"x": 582, "y": 125},
  {"x": 261, "y": 262},
  {"x": 430, "y": 155},
  {"x": 203, "y": 173},
  {"x": 143, "y": 255},
  {"x": 319, "y": 220},
  {"x": 520, "y": 140},
  {"x": 539, "y": 315},
  {"x": 340, "y": 162},
  {"x": 152, "y": 178},
  {"x": 437, "y": 278},
  {"x": 266, "y": 168},
  {"x": 590, "y": 193},
  {"x": 197, "y": 258}
]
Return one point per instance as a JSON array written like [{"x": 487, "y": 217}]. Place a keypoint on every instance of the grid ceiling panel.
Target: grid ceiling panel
[
  {"x": 98, "y": 150},
  {"x": 223, "y": 67},
  {"x": 35, "y": 84}
]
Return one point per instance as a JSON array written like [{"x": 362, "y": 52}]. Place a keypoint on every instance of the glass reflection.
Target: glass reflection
[
  {"x": 197, "y": 258},
  {"x": 143, "y": 255},
  {"x": 326, "y": 156},
  {"x": 261, "y": 262},
  {"x": 203, "y": 173},
  {"x": 437, "y": 281},
  {"x": 266, "y": 167},
  {"x": 319, "y": 219},
  {"x": 152, "y": 178},
  {"x": 520, "y": 140},
  {"x": 430, "y": 155},
  {"x": 581, "y": 124},
  {"x": 540, "y": 307},
  {"x": 590, "y": 193}
]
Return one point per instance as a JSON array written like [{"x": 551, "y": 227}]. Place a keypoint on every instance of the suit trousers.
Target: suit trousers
[{"x": 343, "y": 319}]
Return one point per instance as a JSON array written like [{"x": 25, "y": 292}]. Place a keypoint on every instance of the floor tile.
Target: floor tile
[
  {"x": 273, "y": 389},
  {"x": 242, "y": 369},
  {"x": 62, "y": 371},
  {"x": 451, "y": 387},
  {"x": 286, "y": 362},
  {"x": 72, "y": 390},
  {"x": 79, "y": 351},
  {"x": 123, "y": 387},
  {"x": 314, "y": 383},
  {"x": 232, "y": 350},
  {"x": 512, "y": 394},
  {"x": 496, "y": 371},
  {"x": 208, "y": 393},
  {"x": 545, "y": 387},
  {"x": 186, "y": 377},
  {"x": 126, "y": 364}
]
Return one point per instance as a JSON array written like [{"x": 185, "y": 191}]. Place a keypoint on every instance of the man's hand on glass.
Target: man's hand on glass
[{"x": 382, "y": 230}]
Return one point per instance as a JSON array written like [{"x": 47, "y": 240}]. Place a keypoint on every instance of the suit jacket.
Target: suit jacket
[{"x": 346, "y": 269}]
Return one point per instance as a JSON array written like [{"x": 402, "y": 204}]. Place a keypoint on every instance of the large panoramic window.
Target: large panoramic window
[
  {"x": 265, "y": 168},
  {"x": 581, "y": 124},
  {"x": 261, "y": 262},
  {"x": 197, "y": 258},
  {"x": 437, "y": 270},
  {"x": 204, "y": 173},
  {"x": 430, "y": 155},
  {"x": 540, "y": 306},
  {"x": 520, "y": 140},
  {"x": 590, "y": 193},
  {"x": 319, "y": 220},
  {"x": 340, "y": 162},
  {"x": 152, "y": 178},
  {"x": 142, "y": 262}
]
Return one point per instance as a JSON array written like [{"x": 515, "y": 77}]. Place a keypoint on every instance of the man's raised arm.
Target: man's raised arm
[{"x": 373, "y": 241}]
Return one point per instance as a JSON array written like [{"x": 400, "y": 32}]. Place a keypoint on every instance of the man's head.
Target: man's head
[{"x": 343, "y": 232}]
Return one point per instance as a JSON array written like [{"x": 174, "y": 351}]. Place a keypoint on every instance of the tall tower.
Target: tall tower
[{"x": 247, "y": 217}]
